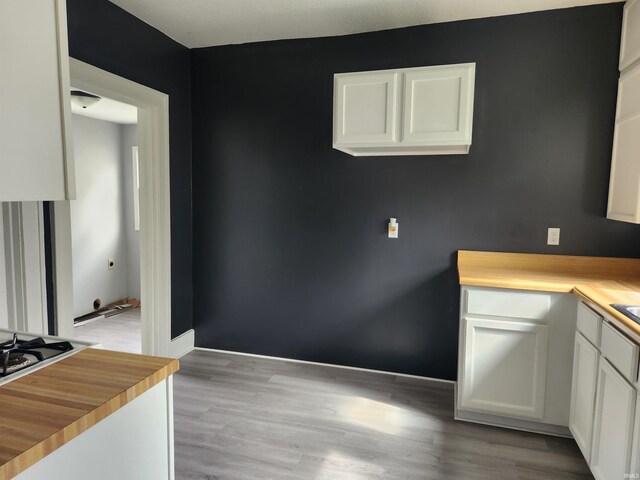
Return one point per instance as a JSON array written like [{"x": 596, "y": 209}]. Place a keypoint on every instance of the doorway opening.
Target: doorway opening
[
  {"x": 105, "y": 223},
  {"x": 154, "y": 219}
]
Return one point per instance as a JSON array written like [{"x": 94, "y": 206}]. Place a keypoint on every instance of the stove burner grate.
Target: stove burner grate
[{"x": 16, "y": 354}]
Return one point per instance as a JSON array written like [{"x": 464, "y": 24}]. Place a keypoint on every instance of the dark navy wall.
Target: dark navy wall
[
  {"x": 104, "y": 35},
  {"x": 290, "y": 253}
]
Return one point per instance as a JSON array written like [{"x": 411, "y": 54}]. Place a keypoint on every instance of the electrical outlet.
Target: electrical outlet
[
  {"x": 553, "y": 236},
  {"x": 111, "y": 263},
  {"x": 393, "y": 228}
]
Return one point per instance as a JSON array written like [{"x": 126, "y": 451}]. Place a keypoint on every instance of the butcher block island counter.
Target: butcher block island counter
[
  {"x": 96, "y": 414},
  {"x": 542, "y": 349}
]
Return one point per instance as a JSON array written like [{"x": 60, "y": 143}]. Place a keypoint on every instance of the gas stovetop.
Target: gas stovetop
[{"x": 21, "y": 353}]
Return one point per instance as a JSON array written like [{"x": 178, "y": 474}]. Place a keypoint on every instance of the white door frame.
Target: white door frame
[
  {"x": 155, "y": 215},
  {"x": 23, "y": 289}
]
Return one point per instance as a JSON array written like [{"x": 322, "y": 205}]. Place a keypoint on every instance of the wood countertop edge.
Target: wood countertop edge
[
  {"x": 40, "y": 450},
  {"x": 475, "y": 269},
  {"x": 517, "y": 284}
]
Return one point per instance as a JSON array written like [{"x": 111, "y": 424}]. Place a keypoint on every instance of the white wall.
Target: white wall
[
  {"x": 97, "y": 215},
  {"x": 128, "y": 140}
]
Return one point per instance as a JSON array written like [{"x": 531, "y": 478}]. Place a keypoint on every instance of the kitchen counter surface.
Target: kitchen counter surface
[
  {"x": 600, "y": 280},
  {"x": 47, "y": 408}
]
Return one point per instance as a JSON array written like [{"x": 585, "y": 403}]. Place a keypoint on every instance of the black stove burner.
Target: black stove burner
[
  {"x": 16, "y": 359},
  {"x": 19, "y": 354}
]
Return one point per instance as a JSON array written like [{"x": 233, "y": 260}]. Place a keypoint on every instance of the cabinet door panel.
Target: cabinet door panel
[
  {"x": 628, "y": 93},
  {"x": 635, "y": 455},
  {"x": 630, "y": 45},
  {"x": 583, "y": 391},
  {"x": 624, "y": 186},
  {"x": 589, "y": 323},
  {"x": 504, "y": 367},
  {"x": 613, "y": 424},
  {"x": 508, "y": 303},
  {"x": 366, "y": 108},
  {"x": 33, "y": 89},
  {"x": 438, "y": 105}
]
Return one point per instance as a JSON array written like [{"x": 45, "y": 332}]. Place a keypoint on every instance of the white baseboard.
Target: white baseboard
[
  {"x": 345, "y": 367},
  {"x": 513, "y": 423},
  {"x": 182, "y": 345}
]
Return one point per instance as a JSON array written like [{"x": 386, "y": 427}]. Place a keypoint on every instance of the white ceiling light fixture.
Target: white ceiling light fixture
[
  {"x": 83, "y": 99},
  {"x": 104, "y": 108}
]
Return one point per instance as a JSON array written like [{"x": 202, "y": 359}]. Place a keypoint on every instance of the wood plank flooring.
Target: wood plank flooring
[
  {"x": 241, "y": 418},
  {"x": 122, "y": 332}
]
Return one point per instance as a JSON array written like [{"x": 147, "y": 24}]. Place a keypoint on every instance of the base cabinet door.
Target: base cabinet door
[
  {"x": 505, "y": 365},
  {"x": 635, "y": 455},
  {"x": 613, "y": 424},
  {"x": 583, "y": 391}
]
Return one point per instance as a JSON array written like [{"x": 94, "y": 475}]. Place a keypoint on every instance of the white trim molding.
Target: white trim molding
[
  {"x": 182, "y": 344},
  {"x": 23, "y": 291},
  {"x": 344, "y": 367},
  {"x": 155, "y": 215}
]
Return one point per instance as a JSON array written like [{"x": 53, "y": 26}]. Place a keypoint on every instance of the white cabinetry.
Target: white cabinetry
[
  {"x": 630, "y": 44},
  {"x": 35, "y": 147},
  {"x": 603, "y": 397},
  {"x": 413, "y": 111},
  {"x": 613, "y": 424},
  {"x": 585, "y": 377},
  {"x": 515, "y": 358},
  {"x": 133, "y": 443},
  {"x": 635, "y": 451},
  {"x": 368, "y": 104},
  {"x": 505, "y": 367},
  {"x": 624, "y": 183}
]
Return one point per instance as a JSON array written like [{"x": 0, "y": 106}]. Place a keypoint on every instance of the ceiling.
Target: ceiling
[
  {"x": 108, "y": 110},
  {"x": 204, "y": 23}
]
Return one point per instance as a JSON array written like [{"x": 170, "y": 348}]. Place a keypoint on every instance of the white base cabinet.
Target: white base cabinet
[
  {"x": 515, "y": 358},
  {"x": 133, "y": 443},
  {"x": 613, "y": 425},
  {"x": 605, "y": 415},
  {"x": 635, "y": 451},
  {"x": 583, "y": 393}
]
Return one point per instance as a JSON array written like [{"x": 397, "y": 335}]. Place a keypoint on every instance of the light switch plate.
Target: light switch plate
[{"x": 553, "y": 236}]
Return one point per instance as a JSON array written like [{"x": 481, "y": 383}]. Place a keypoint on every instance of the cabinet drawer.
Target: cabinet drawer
[
  {"x": 621, "y": 352},
  {"x": 589, "y": 324},
  {"x": 511, "y": 304}
]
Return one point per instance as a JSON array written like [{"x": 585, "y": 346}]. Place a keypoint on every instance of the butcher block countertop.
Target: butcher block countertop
[
  {"x": 600, "y": 280},
  {"x": 47, "y": 408},
  {"x": 621, "y": 292}
]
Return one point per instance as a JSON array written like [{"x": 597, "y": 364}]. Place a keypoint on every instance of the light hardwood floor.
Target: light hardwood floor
[
  {"x": 122, "y": 332},
  {"x": 241, "y": 418}
]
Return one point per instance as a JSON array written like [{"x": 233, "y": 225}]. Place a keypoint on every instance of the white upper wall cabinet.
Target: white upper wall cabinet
[
  {"x": 35, "y": 111},
  {"x": 624, "y": 182},
  {"x": 630, "y": 45},
  {"x": 413, "y": 111}
]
